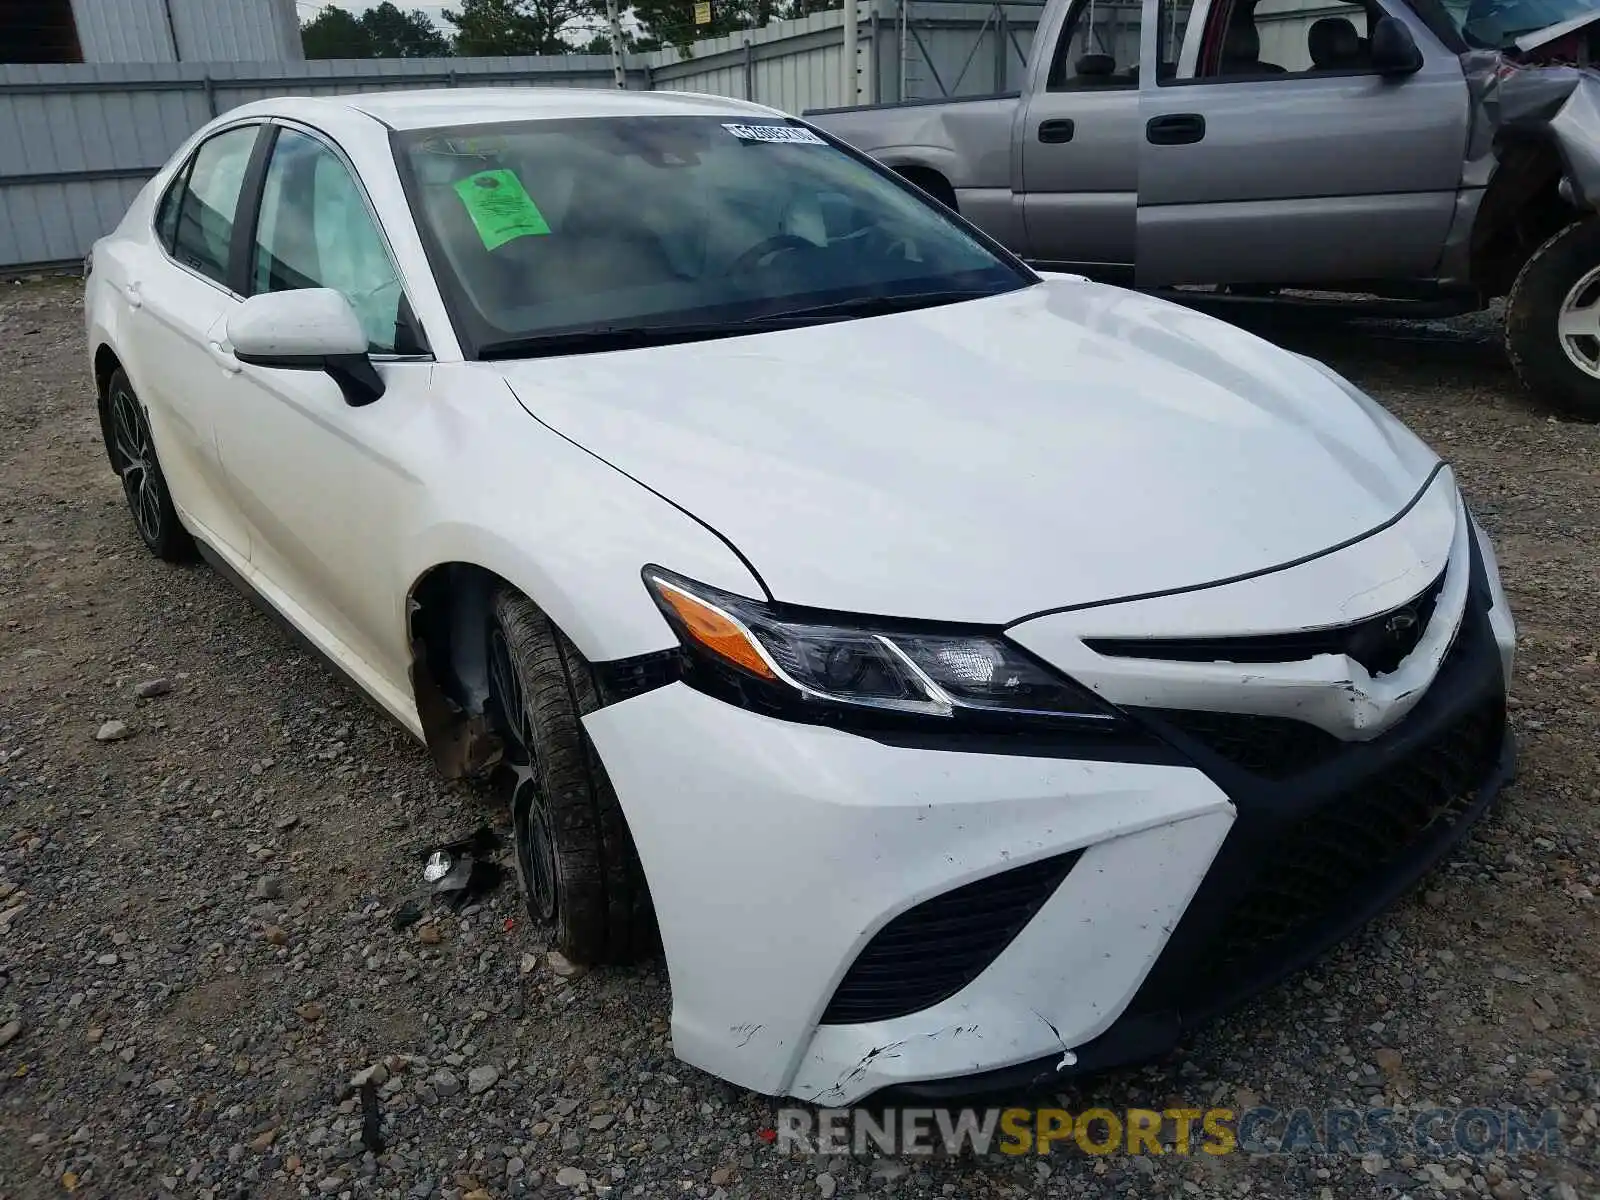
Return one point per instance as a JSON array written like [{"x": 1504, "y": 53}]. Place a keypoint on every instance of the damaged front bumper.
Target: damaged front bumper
[{"x": 843, "y": 914}]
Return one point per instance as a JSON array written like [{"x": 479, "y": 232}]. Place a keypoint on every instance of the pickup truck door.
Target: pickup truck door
[
  {"x": 1078, "y": 136},
  {"x": 1271, "y": 151}
]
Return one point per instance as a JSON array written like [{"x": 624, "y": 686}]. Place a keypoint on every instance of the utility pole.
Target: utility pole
[
  {"x": 848, "y": 65},
  {"x": 619, "y": 74}
]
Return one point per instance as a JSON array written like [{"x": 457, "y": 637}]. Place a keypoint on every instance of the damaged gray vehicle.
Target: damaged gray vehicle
[{"x": 1393, "y": 157}]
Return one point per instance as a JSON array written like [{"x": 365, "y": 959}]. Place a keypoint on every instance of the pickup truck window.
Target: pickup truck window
[
  {"x": 1098, "y": 47},
  {"x": 1266, "y": 39}
]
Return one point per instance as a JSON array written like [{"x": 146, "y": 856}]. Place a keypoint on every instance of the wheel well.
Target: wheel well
[
  {"x": 105, "y": 362},
  {"x": 446, "y": 613},
  {"x": 1520, "y": 211},
  {"x": 930, "y": 181}
]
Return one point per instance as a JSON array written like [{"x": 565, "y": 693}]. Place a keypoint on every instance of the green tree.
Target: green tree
[
  {"x": 397, "y": 34},
  {"x": 384, "y": 31},
  {"x": 334, "y": 33},
  {"x": 487, "y": 27}
]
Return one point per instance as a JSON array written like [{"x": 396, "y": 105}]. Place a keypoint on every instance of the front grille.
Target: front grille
[
  {"x": 1271, "y": 747},
  {"x": 1379, "y": 643},
  {"x": 930, "y": 952},
  {"x": 1315, "y": 868}
]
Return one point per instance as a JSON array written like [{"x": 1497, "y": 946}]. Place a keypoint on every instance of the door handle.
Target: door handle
[
  {"x": 131, "y": 292},
  {"x": 224, "y": 356},
  {"x": 1056, "y": 131},
  {"x": 1175, "y": 129}
]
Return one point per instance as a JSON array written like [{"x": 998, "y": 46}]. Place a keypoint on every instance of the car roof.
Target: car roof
[{"x": 425, "y": 108}]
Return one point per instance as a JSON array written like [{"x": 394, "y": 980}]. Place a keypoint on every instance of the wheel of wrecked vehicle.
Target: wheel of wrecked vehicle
[
  {"x": 133, "y": 456},
  {"x": 576, "y": 858},
  {"x": 1553, "y": 321}
]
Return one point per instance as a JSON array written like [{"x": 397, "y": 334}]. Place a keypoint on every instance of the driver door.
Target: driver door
[
  {"x": 326, "y": 487},
  {"x": 1271, "y": 151}
]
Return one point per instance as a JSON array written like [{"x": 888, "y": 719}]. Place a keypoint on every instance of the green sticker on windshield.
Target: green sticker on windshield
[{"x": 500, "y": 207}]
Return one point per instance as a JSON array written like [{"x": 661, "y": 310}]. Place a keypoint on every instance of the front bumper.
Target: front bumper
[{"x": 780, "y": 857}]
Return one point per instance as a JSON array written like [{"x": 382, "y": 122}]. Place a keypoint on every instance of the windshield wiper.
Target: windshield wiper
[
  {"x": 616, "y": 337},
  {"x": 872, "y": 306},
  {"x": 632, "y": 337}
]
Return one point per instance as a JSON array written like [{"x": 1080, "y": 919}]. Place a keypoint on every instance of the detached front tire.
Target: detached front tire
[
  {"x": 579, "y": 869},
  {"x": 132, "y": 451},
  {"x": 1553, "y": 321}
]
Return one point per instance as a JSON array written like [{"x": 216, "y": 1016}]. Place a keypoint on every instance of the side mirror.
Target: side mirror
[
  {"x": 1394, "y": 50},
  {"x": 312, "y": 329}
]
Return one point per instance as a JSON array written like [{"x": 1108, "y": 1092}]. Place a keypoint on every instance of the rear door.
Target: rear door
[
  {"x": 179, "y": 290},
  {"x": 1079, "y": 145},
  {"x": 1271, "y": 152}
]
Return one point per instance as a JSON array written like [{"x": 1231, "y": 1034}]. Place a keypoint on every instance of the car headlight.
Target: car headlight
[{"x": 808, "y": 667}]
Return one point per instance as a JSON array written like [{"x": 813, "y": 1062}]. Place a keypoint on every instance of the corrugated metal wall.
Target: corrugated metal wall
[
  {"x": 789, "y": 64},
  {"x": 76, "y": 142},
  {"x": 135, "y": 31}
]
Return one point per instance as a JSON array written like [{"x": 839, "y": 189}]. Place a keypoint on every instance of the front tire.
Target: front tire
[
  {"x": 1553, "y": 321},
  {"x": 132, "y": 451},
  {"x": 579, "y": 869}
]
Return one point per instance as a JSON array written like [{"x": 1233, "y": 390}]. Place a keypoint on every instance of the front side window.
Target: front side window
[
  {"x": 581, "y": 225},
  {"x": 208, "y": 202},
  {"x": 1262, "y": 39},
  {"x": 315, "y": 230}
]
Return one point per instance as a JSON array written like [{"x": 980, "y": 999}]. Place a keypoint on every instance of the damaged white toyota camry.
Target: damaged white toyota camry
[{"x": 973, "y": 675}]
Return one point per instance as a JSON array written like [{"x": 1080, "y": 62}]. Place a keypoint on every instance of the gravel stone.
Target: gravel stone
[{"x": 145, "y": 1074}]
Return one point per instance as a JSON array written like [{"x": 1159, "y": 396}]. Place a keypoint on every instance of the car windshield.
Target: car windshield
[
  {"x": 1496, "y": 24},
  {"x": 606, "y": 226}
]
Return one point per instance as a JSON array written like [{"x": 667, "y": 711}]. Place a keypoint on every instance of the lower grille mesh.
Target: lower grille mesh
[
  {"x": 1334, "y": 853},
  {"x": 930, "y": 952},
  {"x": 1271, "y": 747}
]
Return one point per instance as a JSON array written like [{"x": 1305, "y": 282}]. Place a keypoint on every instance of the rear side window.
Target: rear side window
[
  {"x": 167, "y": 211},
  {"x": 209, "y": 199}
]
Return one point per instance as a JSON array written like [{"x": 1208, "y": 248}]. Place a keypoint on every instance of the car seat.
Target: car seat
[
  {"x": 1241, "y": 47},
  {"x": 1334, "y": 45}
]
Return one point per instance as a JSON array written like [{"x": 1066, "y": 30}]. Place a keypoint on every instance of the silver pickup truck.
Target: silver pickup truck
[{"x": 1435, "y": 154}]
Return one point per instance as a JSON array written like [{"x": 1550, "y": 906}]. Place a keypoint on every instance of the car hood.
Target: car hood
[{"x": 1060, "y": 445}]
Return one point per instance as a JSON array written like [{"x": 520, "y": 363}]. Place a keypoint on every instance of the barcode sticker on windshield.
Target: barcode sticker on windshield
[{"x": 775, "y": 133}]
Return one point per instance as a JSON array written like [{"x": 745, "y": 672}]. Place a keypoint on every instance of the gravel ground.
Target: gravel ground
[{"x": 197, "y": 951}]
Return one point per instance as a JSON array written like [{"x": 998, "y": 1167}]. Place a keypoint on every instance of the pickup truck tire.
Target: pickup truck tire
[{"x": 1560, "y": 276}]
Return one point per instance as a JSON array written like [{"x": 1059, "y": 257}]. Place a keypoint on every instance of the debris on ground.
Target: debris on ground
[{"x": 186, "y": 1068}]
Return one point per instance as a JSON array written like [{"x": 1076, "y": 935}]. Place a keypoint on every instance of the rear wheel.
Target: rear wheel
[
  {"x": 580, "y": 871},
  {"x": 133, "y": 456},
  {"x": 1553, "y": 321}
]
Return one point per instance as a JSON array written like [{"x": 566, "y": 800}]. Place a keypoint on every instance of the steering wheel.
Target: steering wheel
[{"x": 768, "y": 248}]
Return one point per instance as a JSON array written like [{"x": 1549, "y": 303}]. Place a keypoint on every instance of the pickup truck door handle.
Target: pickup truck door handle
[
  {"x": 1175, "y": 129},
  {"x": 1056, "y": 131}
]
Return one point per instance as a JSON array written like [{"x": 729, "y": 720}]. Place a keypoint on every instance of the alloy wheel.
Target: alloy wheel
[
  {"x": 136, "y": 464},
  {"x": 1578, "y": 324},
  {"x": 534, "y": 841}
]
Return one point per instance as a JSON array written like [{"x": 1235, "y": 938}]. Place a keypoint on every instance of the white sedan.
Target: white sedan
[{"x": 969, "y": 675}]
